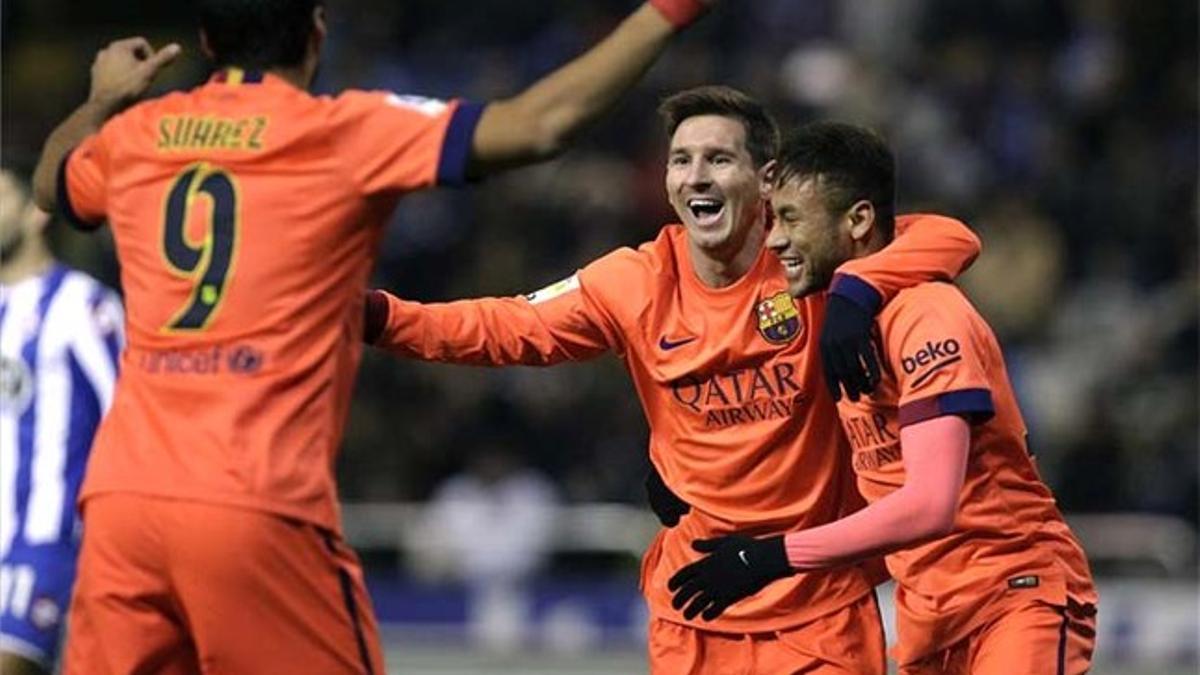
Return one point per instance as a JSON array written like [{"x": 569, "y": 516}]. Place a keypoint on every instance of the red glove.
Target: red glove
[{"x": 680, "y": 13}]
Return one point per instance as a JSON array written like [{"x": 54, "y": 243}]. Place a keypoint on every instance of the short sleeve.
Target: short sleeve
[
  {"x": 394, "y": 143},
  {"x": 83, "y": 182},
  {"x": 937, "y": 356}
]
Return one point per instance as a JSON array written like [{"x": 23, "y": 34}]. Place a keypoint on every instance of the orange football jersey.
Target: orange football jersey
[
  {"x": 1009, "y": 541},
  {"x": 742, "y": 426},
  {"x": 247, "y": 214}
]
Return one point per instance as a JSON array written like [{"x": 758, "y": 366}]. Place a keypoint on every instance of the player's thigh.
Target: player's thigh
[
  {"x": 847, "y": 641},
  {"x": 35, "y": 587},
  {"x": 676, "y": 649},
  {"x": 123, "y": 617},
  {"x": 269, "y": 594},
  {"x": 949, "y": 661},
  {"x": 1035, "y": 639}
]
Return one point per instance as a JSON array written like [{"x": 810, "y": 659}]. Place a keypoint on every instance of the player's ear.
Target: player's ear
[
  {"x": 319, "y": 28},
  {"x": 766, "y": 179},
  {"x": 861, "y": 219},
  {"x": 205, "y": 47}
]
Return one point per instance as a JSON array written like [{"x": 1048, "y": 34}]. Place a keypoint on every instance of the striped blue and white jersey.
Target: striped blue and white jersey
[{"x": 60, "y": 335}]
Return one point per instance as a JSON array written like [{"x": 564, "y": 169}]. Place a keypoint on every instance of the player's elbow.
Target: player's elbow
[
  {"x": 548, "y": 136},
  {"x": 970, "y": 241},
  {"x": 513, "y": 133},
  {"x": 973, "y": 242},
  {"x": 44, "y": 199},
  {"x": 44, "y": 190}
]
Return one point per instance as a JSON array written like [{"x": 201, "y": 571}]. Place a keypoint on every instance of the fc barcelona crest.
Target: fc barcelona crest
[{"x": 778, "y": 320}]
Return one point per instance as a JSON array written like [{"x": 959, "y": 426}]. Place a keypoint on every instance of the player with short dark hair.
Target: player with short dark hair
[
  {"x": 742, "y": 427},
  {"x": 259, "y": 34},
  {"x": 247, "y": 214},
  {"x": 762, "y": 134},
  {"x": 990, "y": 579}
]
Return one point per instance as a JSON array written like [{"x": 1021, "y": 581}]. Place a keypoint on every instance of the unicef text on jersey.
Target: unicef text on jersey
[{"x": 236, "y": 359}]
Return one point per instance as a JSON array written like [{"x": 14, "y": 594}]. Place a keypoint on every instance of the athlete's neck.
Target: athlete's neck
[
  {"x": 30, "y": 259},
  {"x": 872, "y": 244},
  {"x": 720, "y": 268},
  {"x": 297, "y": 76}
]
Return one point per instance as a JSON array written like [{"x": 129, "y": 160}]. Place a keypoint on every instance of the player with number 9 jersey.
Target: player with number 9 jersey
[
  {"x": 237, "y": 208},
  {"x": 247, "y": 214}
]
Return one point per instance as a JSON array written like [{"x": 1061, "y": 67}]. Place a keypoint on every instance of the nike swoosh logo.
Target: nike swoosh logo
[
  {"x": 742, "y": 555},
  {"x": 667, "y": 345}
]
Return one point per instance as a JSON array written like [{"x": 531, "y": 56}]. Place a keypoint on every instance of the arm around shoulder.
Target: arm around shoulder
[{"x": 927, "y": 247}]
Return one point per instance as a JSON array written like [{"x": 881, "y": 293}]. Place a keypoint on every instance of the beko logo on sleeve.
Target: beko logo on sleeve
[{"x": 937, "y": 354}]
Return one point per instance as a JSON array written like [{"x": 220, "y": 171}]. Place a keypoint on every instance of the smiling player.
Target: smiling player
[
  {"x": 247, "y": 214},
  {"x": 742, "y": 426},
  {"x": 990, "y": 579}
]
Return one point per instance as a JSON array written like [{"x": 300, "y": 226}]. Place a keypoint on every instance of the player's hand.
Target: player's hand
[
  {"x": 666, "y": 504},
  {"x": 736, "y": 568},
  {"x": 124, "y": 70},
  {"x": 847, "y": 350}
]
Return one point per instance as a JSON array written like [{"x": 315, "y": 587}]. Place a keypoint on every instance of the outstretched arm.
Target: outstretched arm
[
  {"x": 121, "y": 72},
  {"x": 488, "y": 331},
  {"x": 539, "y": 122}
]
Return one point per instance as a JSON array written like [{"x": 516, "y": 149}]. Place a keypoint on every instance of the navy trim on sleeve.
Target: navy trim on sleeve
[
  {"x": 973, "y": 404},
  {"x": 64, "y": 200},
  {"x": 375, "y": 316},
  {"x": 858, "y": 291},
  {"x": 456, "y": 149}
]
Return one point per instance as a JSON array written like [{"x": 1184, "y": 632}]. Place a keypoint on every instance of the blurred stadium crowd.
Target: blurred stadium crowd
[{"x": 1064, "y": 131}]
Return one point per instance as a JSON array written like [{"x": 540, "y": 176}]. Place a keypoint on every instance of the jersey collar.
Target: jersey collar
[{"x": 234, "y": 76}]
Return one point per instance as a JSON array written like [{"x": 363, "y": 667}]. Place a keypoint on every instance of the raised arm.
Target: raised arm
[
  {"x": 121, "y": 72},
  {"x": 531, "y": 331},
  {"x": 927, "y": 248},
  {"x": 539, "y": 122}
]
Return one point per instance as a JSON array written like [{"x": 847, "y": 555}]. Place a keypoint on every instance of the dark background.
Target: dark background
[{"x": 1063, "y": 131}]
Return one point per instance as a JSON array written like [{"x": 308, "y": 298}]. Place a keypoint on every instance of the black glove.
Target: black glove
[
  {"x": 736, "y": 568},
  {"x": 666, "y": 504},
  {"x": 847, "y": 350}
]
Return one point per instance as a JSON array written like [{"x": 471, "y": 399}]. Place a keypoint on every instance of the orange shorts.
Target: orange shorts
[
  {"x": 849, "y": 641},
  {"x": 183, "y": 587},
  {"x": 1032, "y": 639}
]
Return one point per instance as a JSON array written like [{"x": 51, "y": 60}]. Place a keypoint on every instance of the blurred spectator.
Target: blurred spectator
[{"x": 490, "y": 528}]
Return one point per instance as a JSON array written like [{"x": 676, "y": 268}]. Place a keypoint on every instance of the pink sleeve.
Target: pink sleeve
[{"x": 935, "y": 461}]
